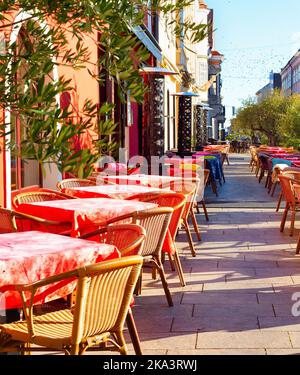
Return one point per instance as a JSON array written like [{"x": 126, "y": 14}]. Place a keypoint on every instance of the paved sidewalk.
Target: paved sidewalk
[{"x": 238, "y": 297}]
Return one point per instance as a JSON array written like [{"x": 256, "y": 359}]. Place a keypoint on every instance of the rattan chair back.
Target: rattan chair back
[
  {"x": 37, "y": 196},
  {"x": 156, "y": 222},
  {"x": 74, "y": 183},
  {"x": 128, "y": 238}
]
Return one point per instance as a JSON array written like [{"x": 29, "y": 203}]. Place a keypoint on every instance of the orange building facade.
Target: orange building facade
[{"x": 14, "y": 172}]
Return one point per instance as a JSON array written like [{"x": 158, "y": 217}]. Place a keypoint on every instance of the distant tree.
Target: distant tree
[
  {"x": 290, "y": 122},
  {"x": 277, "y": 117}
]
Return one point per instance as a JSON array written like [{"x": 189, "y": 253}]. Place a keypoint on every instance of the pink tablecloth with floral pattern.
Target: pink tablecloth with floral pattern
[
  {"x": 154, "y": 181},
  {"x": 84, "y": 214},
  {"x": 113, "y": 191},
  {"x": 27, "y": 257}
]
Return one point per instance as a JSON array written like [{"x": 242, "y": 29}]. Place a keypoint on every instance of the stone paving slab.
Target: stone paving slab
[
  {"x": 246, "y": 340},
  {"x": 251, "y": 310},
  {"x": 160, "y": 341},
  {"x": 281, "y": 324},
  {"x": 223, "y": 352},
  {"x": 236, "y": 265},
  {"x": 230, "y": 298},
  {"x": 295, "y": 339},
  {"x": 217, "y": 324}
]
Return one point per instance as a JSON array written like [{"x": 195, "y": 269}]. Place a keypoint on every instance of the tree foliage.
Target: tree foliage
[
  {"x": 277, "y": 117},
  {"x": 31, "y": 99}
]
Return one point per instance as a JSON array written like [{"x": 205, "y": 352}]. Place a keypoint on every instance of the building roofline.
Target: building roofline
[{"x": 297, "y": 54}]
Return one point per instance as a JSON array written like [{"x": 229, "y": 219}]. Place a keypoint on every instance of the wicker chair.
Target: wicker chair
[
  {"x": 189, "y": 188},
  {"x": 156, "y": 223},
  {"x": 104, "y": 294},
  {"x": 9, "y": 221},
  {"x": 177, "y": 202},
  {"x": 200, "y": 197},
  {"x": 292, "y": 203},
  {"x": 73, "y": 183},
  {"x": 38, "y": 196},
  {"x": 292, "y": 173},
  {"x": 128, "y": 238},
  {"x": 263, "y": 166}
]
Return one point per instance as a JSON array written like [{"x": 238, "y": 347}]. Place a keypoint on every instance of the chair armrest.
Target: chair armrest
[
  {"x": 44, "y": 282},
  {"x": 86, "y": 236},
  {"x": 122, "y": 217}
]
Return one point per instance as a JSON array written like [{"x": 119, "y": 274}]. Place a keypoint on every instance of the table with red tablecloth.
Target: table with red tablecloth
[
  {"x": 27, "y": 257},
  {"x": 112, "y": 191},
  {"x": 154, "y": 181},
  {"x": 83, "y": 214}
]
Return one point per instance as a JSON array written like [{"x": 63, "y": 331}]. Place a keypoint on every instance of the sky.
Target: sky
[{"x": 256, "y": 37}]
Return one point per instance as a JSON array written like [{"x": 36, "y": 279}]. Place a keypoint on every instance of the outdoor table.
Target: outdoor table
[
  {"x": 113, "y": 191},
  {"x": 84, "y": 214},
  {"x": 214, "y": 164},
  {"x": 27, "y": 257},
  {"x": 276, "y": 161},
  {"x": 142, "y": 179}
]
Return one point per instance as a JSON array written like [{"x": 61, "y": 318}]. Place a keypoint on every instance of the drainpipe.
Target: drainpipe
[{"x": 292, "y": 83}]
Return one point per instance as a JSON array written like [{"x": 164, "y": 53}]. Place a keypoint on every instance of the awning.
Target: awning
[{"x": 149, "y": 41}]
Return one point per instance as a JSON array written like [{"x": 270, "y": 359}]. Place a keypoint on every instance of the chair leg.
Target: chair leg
[
  {"x": 284, "y": 217},
  {"x": 279, "y": 201},
  {"x": 197, "y": 207},
  {"x": 121, "y": 342},
  {"x": 298, "y": 246},
  {"x": 133, "y": 333},
  {"x": 293, "y": 218},
  {"x": 257, "y": 171},
  {"x": 195, "y": 224},
  {"x": 179, "y": 269},
  {"x": 154, "y": 273},
  {"x": 273, "y": 189},
  {"x": 164, "y": 282},
  {"x": 171, "y": 262},
  {"x": 138, "y": 286},
  {"x": 267, "y": 181},
  {"x": 261, "y": 176},
  {"x": 189, "y": 236},
  {"x": 26, "y": 349},
  {"x": 214, "y": 188},
  {"x": 205, "y": 210}
]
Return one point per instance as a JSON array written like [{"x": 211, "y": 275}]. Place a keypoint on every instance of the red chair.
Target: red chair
[
  {"x": 177, "y": 202},
  {"x": 292, "y": 202}
]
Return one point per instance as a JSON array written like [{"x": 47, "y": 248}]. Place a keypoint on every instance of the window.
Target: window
[{"x": 24, "y": 172}]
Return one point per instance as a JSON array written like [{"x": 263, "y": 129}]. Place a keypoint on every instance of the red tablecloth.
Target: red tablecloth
[
  {"x": 113, "y": 191},
  {"x": 83, "y": 214},
  {"x": 31, "y": 256},
  {"x": 143, "y": 179}
]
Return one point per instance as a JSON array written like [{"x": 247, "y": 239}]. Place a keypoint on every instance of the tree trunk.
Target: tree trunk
[{"x": 272, "y": 140}]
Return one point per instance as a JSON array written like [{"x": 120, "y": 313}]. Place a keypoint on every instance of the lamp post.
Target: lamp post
[
  {"x": 154, "y": 131},
  {"x": 185, "y": 118},
  {"x": 200, "y": 115}
]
